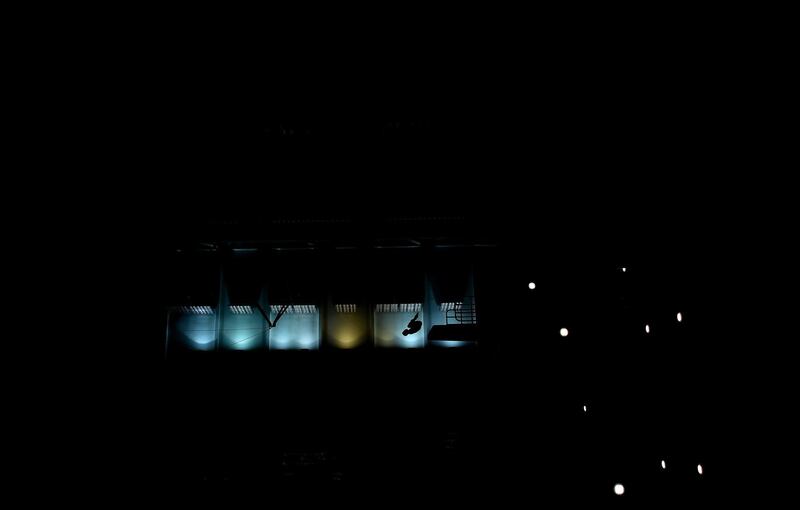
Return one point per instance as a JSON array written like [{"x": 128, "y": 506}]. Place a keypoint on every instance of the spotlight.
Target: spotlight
[
  {"x": 619, "y": 490},
  {"x": 663, "y": 464},
  {"x": 647, "y": 328},
  {"x": 564, "y": 332},
  {"x": 531, "y": 285},
  {"x": 699, "y": 469},
  {"x": 680, "y": 317}
]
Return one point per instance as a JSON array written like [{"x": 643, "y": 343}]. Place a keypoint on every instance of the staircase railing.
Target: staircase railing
[{"x": 462, "y": 313}]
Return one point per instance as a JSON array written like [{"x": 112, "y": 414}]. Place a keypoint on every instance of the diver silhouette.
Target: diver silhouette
[{"x": 413, "y": 326}]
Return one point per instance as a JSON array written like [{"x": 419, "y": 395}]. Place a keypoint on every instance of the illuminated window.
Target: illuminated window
[
  {"x": 446, "y": 307},
  {"x": 197, "y": 310},
  {"x": 346, "y": 308}
]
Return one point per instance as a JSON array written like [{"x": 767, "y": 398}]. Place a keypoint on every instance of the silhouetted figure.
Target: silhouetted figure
[{"x": 413, "y": 326}]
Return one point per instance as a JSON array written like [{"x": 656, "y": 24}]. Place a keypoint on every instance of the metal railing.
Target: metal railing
[{"x": 462, "y": 313}]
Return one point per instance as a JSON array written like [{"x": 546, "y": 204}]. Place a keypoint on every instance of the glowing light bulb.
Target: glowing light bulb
[
  {"x": 680, "y": 317},
  {"x": 699, "y": 469},
  {"x": 564, "y": 332},
  {"x": 663, "y": 464},
  {"x": 619, "y": 490},
  {"x": 647, "y": 328},
  {"x": 531, "y": 285},
  {"x": 584, "y": 409}
]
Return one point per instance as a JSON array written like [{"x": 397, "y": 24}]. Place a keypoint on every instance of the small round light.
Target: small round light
[
  {"x": 564, "y": 332},
  {"x": 680, "y": 317},
  {"x": 699, "y": 469},
  {"x": 663, "y": 464},
  {"x": 619, "y": 490},
  {"x": 647, "y": 328},
  {"x": 531, "y": 285},
  {"x": 624, "y": 269}
]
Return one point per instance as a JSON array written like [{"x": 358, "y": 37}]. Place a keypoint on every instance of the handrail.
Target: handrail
[{"x": 464, "y": 313}]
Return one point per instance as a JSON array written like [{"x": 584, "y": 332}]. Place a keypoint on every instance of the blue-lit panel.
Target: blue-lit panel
[
  {"x": 243, "y": 332},
  {"x": 389, "y": 327},
  {"x": 195, "y": 332},
  {"x": 295, "y": 331}
]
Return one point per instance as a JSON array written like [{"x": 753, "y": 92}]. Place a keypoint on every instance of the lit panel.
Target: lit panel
[
  {"x": 390, "y": 322},
  {"x": 195, "y": 331},
  {"x": 243, "y": 331},
  {"x": 347, "y": 330},
  {"x": 298, "y": 328}
]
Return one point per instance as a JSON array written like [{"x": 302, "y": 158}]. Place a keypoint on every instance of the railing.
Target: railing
[{"x": 463, "y": 313}]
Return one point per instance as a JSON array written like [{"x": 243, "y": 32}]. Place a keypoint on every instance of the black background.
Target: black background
[{"x": 577, "y": 147}]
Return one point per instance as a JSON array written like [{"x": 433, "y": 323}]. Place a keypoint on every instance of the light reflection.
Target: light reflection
[
  {"x": 197, "y": 332},
  {"x": 295, "y": 331},
  {"x": 347, "y": 330},
  {"x": 449, "y": 343}
]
